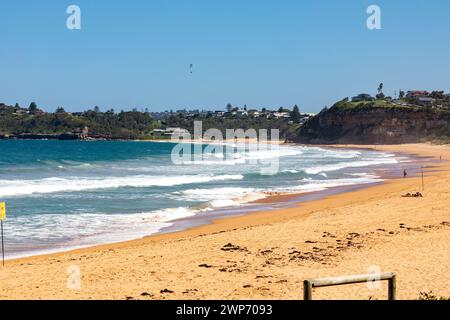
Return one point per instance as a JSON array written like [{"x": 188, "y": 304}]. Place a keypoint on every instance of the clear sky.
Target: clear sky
[{"x": 137, "y": 53}]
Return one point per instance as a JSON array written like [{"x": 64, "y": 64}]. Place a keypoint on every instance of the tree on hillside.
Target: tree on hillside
[
  {"x": 96, "y": 109},
  {"x": 281, "y": 109},
  {"x": 32, "y": 108},
  {"x": 60, "y": 110},
  {"x": 380, "y": 96},
  {"x": 229, "y": 107},
  {"x": 295, "y": 114},
  {"x": 437, "y": 95},
  {"x": 380, "y": 88}
]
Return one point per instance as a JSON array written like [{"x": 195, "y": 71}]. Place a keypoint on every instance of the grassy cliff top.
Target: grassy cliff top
[
  {"x": 388, "y": 105},
  {"x": 350, "y": 105}
]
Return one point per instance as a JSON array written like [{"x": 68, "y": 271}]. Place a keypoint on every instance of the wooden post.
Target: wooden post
[
  {"x": 336, "y": 281},
  {"x": 3, "y": 246},
  {"x": 307, "y": 290},
  {"x": 393, "y": 288},
  {"x": 423, "y": 182}
]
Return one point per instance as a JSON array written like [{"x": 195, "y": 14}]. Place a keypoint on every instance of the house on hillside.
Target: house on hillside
[
  {"x": 416, "y": 94},
  {"x": 425, "y": 101},
  {"x": 280, "y": 115},
  {"x": 20, "y": 111},
  {"x": 219, "y": 114},
  {"x": 169, "y": 132},
  {"x": 85, "y": 133},
  {"x": 240, "y": 113},
  {"x": 255, "y": 113},
  {"x": 39, "y": 112},
  {"x": 363, "y": 97},
  {"x": 158, "y": 133},
  {"x": 78, "y": 133}
]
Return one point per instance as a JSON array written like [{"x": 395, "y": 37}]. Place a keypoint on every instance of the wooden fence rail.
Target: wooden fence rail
[{"x": 336, "y": 281}]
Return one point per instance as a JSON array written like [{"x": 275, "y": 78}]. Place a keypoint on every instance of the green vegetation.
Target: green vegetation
[
  {"x": 123, "y": 125},
  {"x": 287, "y": 130},
  {"x": 295, "y": 115},
  {"x": 16, "y": 122},
  {"x": 368, "y": 120},
  {"x": 346, "y": 105},
  {"x": 430, "y": 296}
]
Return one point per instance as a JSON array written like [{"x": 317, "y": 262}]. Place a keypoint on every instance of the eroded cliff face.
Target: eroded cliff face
[{"x": 390, "y": 125}]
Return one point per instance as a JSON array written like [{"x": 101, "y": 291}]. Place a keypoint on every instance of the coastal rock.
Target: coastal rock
[{"x": 374, "y": 123}]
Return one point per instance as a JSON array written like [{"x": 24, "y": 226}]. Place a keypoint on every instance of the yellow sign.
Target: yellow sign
[{"x": 2, "y": 211}]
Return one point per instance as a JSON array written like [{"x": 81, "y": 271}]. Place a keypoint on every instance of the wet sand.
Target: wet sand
[{"x": 267, "y": 255}]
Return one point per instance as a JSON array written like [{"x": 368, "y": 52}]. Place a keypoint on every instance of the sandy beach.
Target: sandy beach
[{"x": 267, "y": 255}]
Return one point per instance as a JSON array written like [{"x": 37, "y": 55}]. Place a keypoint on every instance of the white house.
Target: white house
[
  {"x": 279, "y": 115},
  {"x": 169, "y": 132}
]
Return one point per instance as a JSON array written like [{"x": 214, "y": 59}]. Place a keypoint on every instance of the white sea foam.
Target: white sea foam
[
  {"x": 222, "y": 197},
  {"x": 242, "y": 156},
  {"x": 87, "y": 229},
  {"x": 310, "y": 185},
  {"x": 79, "y": 227},
  {"x": 83, "y": 225},
  {"x": 365, "y": 175},
  {"x": 354, "y": 164},
  {"x": 290, "y": 171},
  {"x": 331, "y": 153},
  {"x": 232, "y": 197},
  {"x": 52, "y": 185}
]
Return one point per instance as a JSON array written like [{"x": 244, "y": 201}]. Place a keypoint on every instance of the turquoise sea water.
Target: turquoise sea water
[{"x": 67, "y": 194}]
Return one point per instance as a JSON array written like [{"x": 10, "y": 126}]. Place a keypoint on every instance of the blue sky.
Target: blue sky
[{"x": 137, "y": 53}]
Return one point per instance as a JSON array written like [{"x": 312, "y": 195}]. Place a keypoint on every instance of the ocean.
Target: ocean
[{"x": 62, "y": 195}]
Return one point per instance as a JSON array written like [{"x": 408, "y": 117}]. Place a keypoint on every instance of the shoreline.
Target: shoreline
[
  {"x": 273, "y": 201},
  {"x": 229, "y": 229}
]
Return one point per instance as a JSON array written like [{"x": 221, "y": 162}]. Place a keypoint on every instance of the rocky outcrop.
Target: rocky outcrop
[
  {"x": 371, "y": 124},
  {"x": 36, "y": 136}
]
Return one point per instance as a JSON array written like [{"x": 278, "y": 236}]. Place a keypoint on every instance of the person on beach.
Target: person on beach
[{"x": 405, "y": 174}]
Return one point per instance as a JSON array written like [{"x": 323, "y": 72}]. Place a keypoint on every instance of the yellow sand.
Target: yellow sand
[{"x": 271, "y": 253}]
